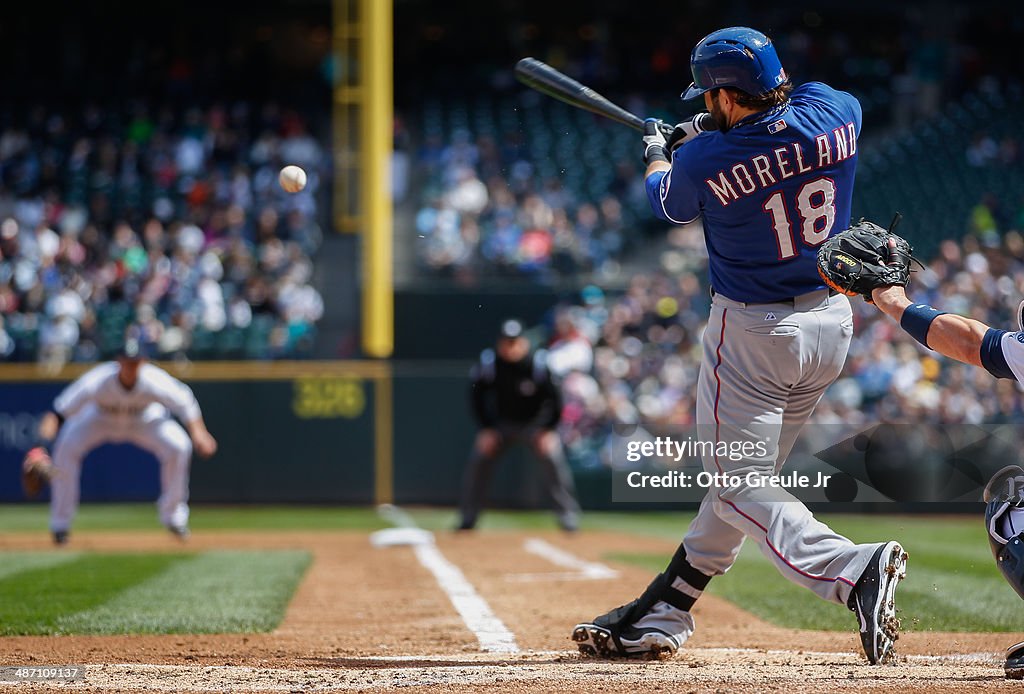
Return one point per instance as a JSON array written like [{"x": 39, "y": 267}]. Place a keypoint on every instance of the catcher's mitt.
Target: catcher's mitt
[
  {"x": 865, "y": 257},
  {"x": 36, "y": 471}
]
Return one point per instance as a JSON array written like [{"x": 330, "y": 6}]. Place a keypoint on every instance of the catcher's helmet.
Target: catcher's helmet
[
  {"x": 1004, "y": 492},
  {"x": 735, "y": 57}
]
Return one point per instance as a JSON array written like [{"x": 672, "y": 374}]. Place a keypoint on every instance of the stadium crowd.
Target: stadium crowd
[
  {"x": 483, "y": 212},
  {"x": 632, "y": 361},
  {"x": 170, "y": 219},
  {"x": 486, "y": 209}
]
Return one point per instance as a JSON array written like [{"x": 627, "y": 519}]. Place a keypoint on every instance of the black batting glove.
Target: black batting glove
[{"x": 654, "y": 142}]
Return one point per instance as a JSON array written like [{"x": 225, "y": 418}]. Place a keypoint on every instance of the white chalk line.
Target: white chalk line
[
  {"x": 491, "y": 632},
  {"x": 580, "y": 569},
  {"x": 526, "y": 656},
  {"x": 460, "y": 668},
  {"x": 495, "y": 637},
  {"x": 396, "y": 516},
  {"x": 980, "y": 657},
  {"x": 530, "y": 656},
  {"x": 479, "y": 618}
]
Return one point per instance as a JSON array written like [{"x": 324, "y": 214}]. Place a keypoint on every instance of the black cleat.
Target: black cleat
[
  {"x": 874, "y": 601},
  {"x": 1014, "y": 666},
  {"x": 60, "y": 537},
  {"x": 607, "y": 637}
]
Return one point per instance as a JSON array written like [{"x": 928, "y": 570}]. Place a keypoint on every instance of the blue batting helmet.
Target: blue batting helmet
[{"x": 735, "y": 57}]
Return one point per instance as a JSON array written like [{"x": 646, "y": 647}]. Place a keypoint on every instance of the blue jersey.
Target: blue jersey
[{"x": 770, "y": 191}]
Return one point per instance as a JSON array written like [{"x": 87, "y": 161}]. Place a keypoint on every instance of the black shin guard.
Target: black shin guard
[
  {"x": 659, "y": 590},
  {"x": 695, "y": 581}
]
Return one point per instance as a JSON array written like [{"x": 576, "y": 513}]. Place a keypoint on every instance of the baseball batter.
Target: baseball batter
[
  {"x": 130, "y": 401},
  {"x": 771, "y": 184}
]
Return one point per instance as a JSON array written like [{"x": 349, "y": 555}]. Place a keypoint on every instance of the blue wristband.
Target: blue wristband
[
  {"x": 992, "y": 357},
  {"x": 917, "y": 319}
]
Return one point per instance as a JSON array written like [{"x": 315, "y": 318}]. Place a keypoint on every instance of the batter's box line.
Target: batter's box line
[
  {"x": 490, "y": 632},
  {"x": 951, "y": 658},
  {"x": 579, "y": 569}
]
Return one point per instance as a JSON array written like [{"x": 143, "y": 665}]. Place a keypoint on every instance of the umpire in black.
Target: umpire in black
[{"x": 515, "y": 400}]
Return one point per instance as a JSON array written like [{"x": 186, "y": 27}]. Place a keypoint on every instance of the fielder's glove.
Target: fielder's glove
[
  {"x": 654, "y": 142},
  {"x": 36, "y": 472},
  {"x": 687, "y": 130},
  {"x": 865, "y": 257}
]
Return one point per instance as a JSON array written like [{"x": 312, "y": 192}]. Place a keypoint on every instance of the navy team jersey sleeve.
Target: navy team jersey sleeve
[
  {"x": 672, "y": 196},
  {"x": 769, "y": 192},
  {"x": 1002, "y": 354}
]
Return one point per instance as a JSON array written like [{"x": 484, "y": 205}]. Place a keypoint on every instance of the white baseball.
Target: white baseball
[{"x": 292, "y": 178}]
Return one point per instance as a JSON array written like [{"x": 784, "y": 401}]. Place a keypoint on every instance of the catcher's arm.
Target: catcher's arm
[{"x": 954, "y": 336}]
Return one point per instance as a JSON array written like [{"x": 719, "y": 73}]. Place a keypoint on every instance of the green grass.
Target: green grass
[
  {"x": 952, "y": 582},
  {"x": 952, "y": 585},
  {"x": 35, "y": 600},
  {"x": 16, "y": 562},
  {"x": 34, "y": 517},
  {"x": 210, "y": 592},
  {"x": 213, "y": 592}
]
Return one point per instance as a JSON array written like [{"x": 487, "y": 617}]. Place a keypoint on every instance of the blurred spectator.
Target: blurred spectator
[
  {"x": 510, "y": 225},
  {"x": 175, "y": 222},
  {"x": 646, "y": 353}
]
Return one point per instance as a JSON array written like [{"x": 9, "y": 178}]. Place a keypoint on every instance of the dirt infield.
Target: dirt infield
[{"x": 366, "y": 618}]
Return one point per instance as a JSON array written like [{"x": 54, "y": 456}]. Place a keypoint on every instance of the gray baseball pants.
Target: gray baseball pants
[{"x": 764, "y": 368}]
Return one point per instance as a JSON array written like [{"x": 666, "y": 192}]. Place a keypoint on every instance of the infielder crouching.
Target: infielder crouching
[{"x": 127, "y": 401}]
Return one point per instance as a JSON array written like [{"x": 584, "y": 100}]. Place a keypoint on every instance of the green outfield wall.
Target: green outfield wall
[
  {"x": 361, "y": 432},
  {"x": 315, "y": 432}
]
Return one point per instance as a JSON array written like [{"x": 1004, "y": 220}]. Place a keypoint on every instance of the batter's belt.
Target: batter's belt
[{"x": 799, "y": 303}]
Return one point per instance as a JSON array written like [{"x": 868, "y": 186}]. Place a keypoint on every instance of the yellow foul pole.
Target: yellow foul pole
[{"x": 375, "y": 65}]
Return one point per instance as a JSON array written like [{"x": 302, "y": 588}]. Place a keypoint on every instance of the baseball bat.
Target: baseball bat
[{"x": 545, "y": 79}]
